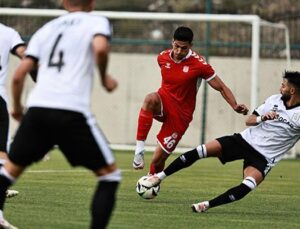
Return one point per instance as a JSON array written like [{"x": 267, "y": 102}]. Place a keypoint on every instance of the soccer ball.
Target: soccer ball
[{"x": 145, "y": 192}]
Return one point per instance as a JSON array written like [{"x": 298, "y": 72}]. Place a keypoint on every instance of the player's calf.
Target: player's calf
[
  {"x": 185, "y": 160},
  {"x": 235, "y": 193}
]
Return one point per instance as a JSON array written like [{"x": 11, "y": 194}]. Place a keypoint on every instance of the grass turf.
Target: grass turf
[{"x": 54, "y": 195}]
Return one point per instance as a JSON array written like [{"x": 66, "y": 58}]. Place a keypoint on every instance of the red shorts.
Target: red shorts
[{"x": 174, "y": 124}]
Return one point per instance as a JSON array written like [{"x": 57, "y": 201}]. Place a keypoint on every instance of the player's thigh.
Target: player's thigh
[
  {"x": 153, "y": 103},
  {"x": 232, "y": 148},
  {"x": 84, "y": 144},
  {"x": 255, "y": 163},
  {"x": 4, "y": 124},
  {"x": 31, "y": 142}
]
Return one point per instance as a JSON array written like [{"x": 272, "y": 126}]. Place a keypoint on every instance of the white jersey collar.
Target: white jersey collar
[{"x": 184, "y": 58}]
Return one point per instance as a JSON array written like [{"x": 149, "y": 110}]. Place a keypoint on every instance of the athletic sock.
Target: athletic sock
[
  {"x": 144, "y": 124},
  {"x": 161, "y": 175},
  {"x": 4, "y": 184},
  {"x": 103, "y": 204},
  {"x": 140, "y": 146},
  {"x": 154, "y": 169},
  {"x": 183, "y": 161},
  {"x": 231, "y": 195}
]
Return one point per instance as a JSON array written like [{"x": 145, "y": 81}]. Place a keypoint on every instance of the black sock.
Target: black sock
[
  {"x": 4, "y": 184},
  {"x": 183, "y": 161},
  {"x": 103, "y": 204},
  {"x": 233, "y": 194}
]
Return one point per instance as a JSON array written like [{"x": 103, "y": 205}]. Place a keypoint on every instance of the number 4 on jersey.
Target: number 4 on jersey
[{"x": 60, "y": 63}]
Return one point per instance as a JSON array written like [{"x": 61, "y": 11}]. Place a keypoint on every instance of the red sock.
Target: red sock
[
  {"x": 144, "y": 124},
  {"x": 152, "y": 169}
]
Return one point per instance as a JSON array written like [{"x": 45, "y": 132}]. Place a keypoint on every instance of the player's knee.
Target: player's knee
[
  {"x": 250, "y": 182},
  {"x": 112, "y": 176},
  {"x": 151, "y": 100},
  {"x": 189, "y": 157},
  {"x": 238, "y": 192},
  {"x": 7, "y": 174},
  {"x": 202, "y": 152}
]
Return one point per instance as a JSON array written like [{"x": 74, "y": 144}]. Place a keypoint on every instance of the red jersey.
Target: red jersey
[{"x": 181, "y": 80}]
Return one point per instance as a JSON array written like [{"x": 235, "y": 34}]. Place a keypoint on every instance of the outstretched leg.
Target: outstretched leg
[
  {"x": 253, "y": 177},
  {"x": 183, "y": 161}
]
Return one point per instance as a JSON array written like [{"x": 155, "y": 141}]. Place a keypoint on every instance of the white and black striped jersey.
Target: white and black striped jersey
[
  {"x": 9, "y": 41},
  {"x": 273, "y": 138},
  {"x": 63, "y": 49}
]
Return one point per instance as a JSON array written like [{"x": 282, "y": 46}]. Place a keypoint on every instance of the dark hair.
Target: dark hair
[
  {"x": 183, "y": 34},
  {"x": 292, "y": 77},
  {"x": 80, "y": 2}
]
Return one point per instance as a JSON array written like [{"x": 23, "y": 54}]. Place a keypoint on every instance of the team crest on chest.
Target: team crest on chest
[
  {"x": 296, "y": 117},
  {"x": 185, "y": 69}
]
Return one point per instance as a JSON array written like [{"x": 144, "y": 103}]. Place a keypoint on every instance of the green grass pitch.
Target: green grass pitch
[{"x": 55, "y": 196}]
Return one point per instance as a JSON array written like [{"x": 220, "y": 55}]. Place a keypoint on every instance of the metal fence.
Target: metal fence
[{"x": 227, "y": 38}]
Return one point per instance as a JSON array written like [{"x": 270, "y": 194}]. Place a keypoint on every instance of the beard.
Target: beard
[{"x": 285, "y": 97}]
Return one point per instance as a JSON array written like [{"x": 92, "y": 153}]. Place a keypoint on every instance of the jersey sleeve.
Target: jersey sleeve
[
  {"x": 206, "y": 70},
  {"x": 102, "y": 27},
  {"x": 264, "y": 108},
  {"x": 209, "y": 72},
  {"x": 33, "y": 49},
  {"x": 159, "y": 59},
  {"x": 16, "y": 41}
]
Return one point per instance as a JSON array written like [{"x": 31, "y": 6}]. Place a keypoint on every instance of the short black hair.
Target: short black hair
[
  {"x": 183, "y": 33},
  {"x": 80, "y": 2},
  {"x": 292, "y": 77}
]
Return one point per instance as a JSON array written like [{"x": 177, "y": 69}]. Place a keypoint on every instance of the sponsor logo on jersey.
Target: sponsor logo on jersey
[
  {"x": 168, "y": 65},
  {"x": 185, "y": 69},
  {"x": 275, "y": 108},
  {"x": 281, "y": 119}
]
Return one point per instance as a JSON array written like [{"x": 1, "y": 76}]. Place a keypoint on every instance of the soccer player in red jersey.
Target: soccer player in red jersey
[{"x": 182, "y": 70}]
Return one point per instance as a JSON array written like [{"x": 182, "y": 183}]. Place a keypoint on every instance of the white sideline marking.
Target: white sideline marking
[
  {"x": 65, "y": 171},
  {"x": 147, "y": 148}
]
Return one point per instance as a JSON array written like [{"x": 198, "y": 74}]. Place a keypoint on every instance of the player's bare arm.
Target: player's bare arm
[
  {"x": 20, "y": 51},
  {"x": 18, "y": 80},
  {"x": 101, "y": 50},
  {"x": 253, "y": 120},
  {"x": 217, "y": 84}
]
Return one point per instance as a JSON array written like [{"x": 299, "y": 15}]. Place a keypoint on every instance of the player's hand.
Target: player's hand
[
  {"x": 17, "y": 113},
  {"x": 241, "y": 108},
  {"x": 269, "y": 116},
  {"x": 109, "y": 83}
]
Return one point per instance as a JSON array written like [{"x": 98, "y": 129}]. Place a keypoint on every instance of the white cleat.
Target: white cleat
[
  {"x": 151, "y": 181},
  {"x": 138, "y": 161},
  {"x": 200, "y": 207},
  {"x": 6, "y": 225},
  {"x": 11, "y": 193}
]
